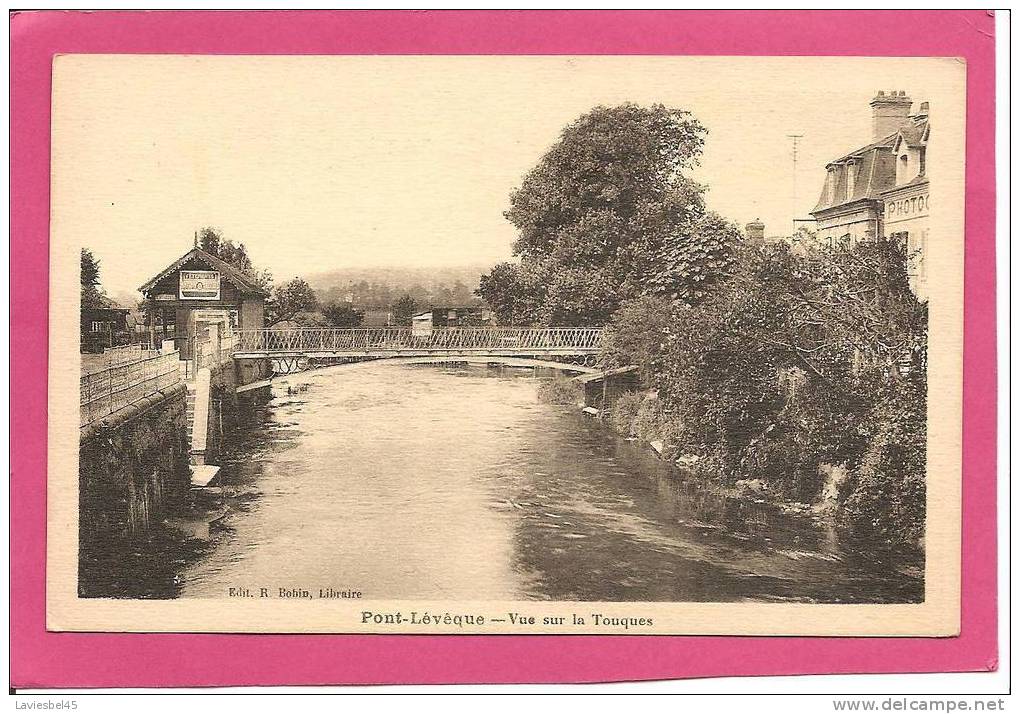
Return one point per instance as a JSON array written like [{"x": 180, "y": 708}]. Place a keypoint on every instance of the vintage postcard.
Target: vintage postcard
[{"x": 506, "y": 344}]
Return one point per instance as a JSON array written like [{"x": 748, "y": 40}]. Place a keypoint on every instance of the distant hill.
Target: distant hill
[
  {"x": 399, "y": 277},
  {"x": 127, "y": 298},
  {"x": 377, "y": 288}
]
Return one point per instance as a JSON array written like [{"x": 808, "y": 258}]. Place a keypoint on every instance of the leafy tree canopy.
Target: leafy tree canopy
[
  {"x": 290, "y": 301},
  {"x": 403, "y": 310},
  {"x": 608, "y": 214},
  {"x": 90, "y": 291},
  {"x": 211, "y": 240},
  {"x": 342, "y": 314},
  {"x": 516, "y": 295},
  {"x": 800, "y": 358}
]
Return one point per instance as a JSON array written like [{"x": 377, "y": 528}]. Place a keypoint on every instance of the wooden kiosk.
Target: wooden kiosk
[{"x": 198, "y": 290}]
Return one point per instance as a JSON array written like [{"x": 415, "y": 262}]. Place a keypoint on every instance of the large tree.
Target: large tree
[
  {"x": 610, "y": 213},
  {"x": 403, "y": 310},
  {"x": 290, "y": 301},
  {"x": 516, "y": 295},
  {"x": 342, "y": 314},
  {"x": 90, "y": 290},
  {"x": 212, "y": 241}
]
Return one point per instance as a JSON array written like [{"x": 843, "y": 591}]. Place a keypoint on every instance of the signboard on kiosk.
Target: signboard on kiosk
[
  {"x": 207, "y": 316},
  {"x": 200, "y": 285}
]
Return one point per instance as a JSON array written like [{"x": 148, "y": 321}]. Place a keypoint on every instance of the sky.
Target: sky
[{"x": 316, "y": 163}]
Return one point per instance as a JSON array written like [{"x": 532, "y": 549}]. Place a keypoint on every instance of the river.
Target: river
[{"x": 457, "y": 483}]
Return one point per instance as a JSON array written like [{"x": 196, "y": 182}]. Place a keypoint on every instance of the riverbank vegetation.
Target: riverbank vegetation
[
  {"x": 561, "y": 390},
  {"x": 796, "y": 366}
]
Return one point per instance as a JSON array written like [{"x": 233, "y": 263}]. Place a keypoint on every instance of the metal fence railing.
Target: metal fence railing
[
  {"x": 504, "y": 339},
  {"x": 126, "y": 353},
  {"x": 107, "y": 390},
  {"x": 113, "y": 356}
]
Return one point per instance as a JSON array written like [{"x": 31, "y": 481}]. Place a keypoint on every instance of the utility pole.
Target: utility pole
[{"x": 796, "y": 139}]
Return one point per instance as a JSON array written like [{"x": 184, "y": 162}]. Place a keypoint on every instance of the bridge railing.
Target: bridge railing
[
  {"x": 512, "y": 339},
  {"x": 107, "y": 390}
]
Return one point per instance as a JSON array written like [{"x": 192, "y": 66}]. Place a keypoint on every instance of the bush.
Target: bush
[
  {"x": 561, "y": 390},
  {"x": 642, "y": 415},
  {"x": 653, "y": 423},
  {"x": 796, "y": 362},
  {"x": 886, "y": 499},
  {"x": 624, "y": 412},
  {"x": 636, "y": 335}
]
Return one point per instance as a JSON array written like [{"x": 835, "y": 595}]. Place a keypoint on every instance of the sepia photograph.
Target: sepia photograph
[{"x": 450, "y": 344}]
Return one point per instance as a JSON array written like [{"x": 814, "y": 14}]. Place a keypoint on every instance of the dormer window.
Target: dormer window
[
  {"x": 903, "y": 167},
  {"x": 851, "y": 179}
]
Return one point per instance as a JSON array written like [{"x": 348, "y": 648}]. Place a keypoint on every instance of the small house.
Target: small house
[
  {"x": 103, "y": 325},
  {"x": 199, "y": 289},
  {"x": 421, "y": 324},
  {"x": 461, "y": 316}
]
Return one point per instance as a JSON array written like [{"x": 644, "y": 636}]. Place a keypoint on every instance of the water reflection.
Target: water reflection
[{"x": 421, "y": 482}]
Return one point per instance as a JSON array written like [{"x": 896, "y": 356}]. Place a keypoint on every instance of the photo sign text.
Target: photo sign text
[{"x": 200, "y": 285}]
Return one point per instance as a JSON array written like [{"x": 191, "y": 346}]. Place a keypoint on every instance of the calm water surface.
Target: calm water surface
[{"x": 424, "y": 482}]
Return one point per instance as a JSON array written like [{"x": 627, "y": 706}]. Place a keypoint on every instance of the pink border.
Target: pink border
[{"x": 40, "y": 658}]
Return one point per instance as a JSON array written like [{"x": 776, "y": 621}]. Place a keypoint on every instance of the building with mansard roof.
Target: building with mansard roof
[{"x": 881, "y": 189}]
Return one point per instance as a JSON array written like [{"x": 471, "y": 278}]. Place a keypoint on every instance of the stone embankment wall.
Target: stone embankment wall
[
  {"x": 133, "y": 464},
  {"x": 135, "y": 484},
  {"x": 223, "y": 404},
  {"x": 133, "y": 470}
]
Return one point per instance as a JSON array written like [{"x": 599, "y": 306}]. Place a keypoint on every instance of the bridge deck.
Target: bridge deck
[
  {"x": 440, "y": 359},
  {"x": 411, "y": 352},
  {"x": 405, "y": 342}
]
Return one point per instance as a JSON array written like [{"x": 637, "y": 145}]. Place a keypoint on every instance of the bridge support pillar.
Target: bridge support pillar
[
  {"x": 251, "y": 371},
  {"x": 603, "y": 388}
]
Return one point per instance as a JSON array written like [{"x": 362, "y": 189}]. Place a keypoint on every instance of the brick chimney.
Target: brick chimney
[
  {"x": 755, "y": 230},
  {"x": 888, "y": 113}
]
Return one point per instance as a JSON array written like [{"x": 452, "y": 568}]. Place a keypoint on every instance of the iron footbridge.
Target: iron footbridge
[{"x": 567, "y": 348}]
